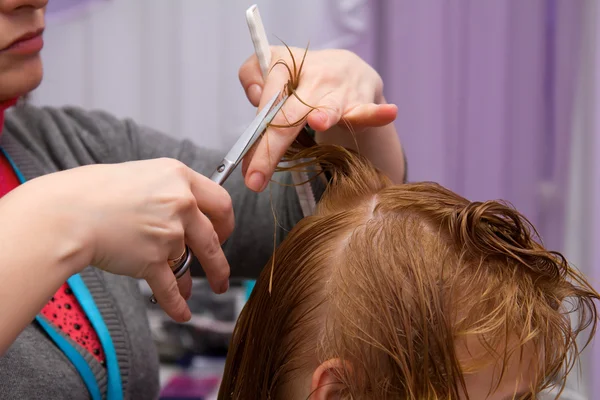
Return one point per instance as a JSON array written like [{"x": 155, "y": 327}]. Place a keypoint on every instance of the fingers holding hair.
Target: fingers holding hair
[{"x": 261, "y": 161}]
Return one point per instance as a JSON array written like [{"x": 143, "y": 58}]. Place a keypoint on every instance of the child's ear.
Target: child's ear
[{"x": 325, "y": 383}]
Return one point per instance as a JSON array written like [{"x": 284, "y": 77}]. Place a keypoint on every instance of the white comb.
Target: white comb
[
  {"x": 263, "y": 52},
  {"x": 259, "y": 38}
]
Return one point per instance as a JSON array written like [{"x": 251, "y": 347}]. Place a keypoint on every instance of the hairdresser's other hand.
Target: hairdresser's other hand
[
  {"x": 338, "y": 82},
  {"x": 131, "y": 218}
]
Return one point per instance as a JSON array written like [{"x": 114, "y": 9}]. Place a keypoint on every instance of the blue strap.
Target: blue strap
[
  {"x": 76, "y": 359},
  {"x": 83, "y": 295},
  {"x": 249, "y": 286},
  {"x": 14, "y": 167}
]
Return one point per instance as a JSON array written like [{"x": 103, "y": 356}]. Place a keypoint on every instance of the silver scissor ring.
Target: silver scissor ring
[
  {"x": 180, "y": 269},
  {"x": 184, "y": 265}
]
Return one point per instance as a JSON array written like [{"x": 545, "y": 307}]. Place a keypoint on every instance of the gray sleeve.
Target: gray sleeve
[{"x": 112, "y": 140}]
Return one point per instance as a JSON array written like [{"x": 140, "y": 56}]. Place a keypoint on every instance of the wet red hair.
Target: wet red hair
[{"x": 388, "y": 278}]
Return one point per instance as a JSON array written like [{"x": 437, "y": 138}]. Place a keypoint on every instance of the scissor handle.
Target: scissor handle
[
  {"x": 223, "y": 171},
  {"x": 180, "y": 270}
]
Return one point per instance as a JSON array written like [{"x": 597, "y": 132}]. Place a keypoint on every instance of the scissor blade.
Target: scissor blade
[
  {"x": 263, "y": 125},
  {"x": 247, "y": 140},
  {"x": 250, "y": 135}
]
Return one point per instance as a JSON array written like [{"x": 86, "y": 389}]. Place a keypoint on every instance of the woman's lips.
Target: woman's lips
[{"x": 30, "y": 44}]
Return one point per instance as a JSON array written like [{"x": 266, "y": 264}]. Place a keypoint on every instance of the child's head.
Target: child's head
[{"x": 406, "y": 292}]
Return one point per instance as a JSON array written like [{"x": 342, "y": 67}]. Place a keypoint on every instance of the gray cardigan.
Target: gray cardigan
[{"x": 45, "y": 140}]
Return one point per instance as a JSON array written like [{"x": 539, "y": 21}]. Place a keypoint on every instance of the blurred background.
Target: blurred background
[{"x": 497, "y": 100}]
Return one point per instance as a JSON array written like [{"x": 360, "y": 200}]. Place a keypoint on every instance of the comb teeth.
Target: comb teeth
[{"x": 259, "y": 38}]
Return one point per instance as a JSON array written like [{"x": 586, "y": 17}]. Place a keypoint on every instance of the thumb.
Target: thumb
[
  {"x": 371, "y": 115},
  {"x": 165, "y": 288}
]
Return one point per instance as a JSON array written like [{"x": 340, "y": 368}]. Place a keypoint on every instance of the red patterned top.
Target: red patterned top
[{"x": 63, "y": 310}]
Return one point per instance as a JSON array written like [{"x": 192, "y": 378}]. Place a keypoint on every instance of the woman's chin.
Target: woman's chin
[{"x": 20, "y": 78}]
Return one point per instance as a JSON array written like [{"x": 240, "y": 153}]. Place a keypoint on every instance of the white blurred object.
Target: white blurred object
[
  {"x": 260, "y": 41},
  {"x": 583, "y": 219},
  {"x": 173, "y": 65}
]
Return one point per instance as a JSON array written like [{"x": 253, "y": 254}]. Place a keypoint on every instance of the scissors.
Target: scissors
[{"x": 231, "y": 161}]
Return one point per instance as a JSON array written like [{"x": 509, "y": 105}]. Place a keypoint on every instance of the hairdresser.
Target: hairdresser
[{"x": 91, "y": 203}]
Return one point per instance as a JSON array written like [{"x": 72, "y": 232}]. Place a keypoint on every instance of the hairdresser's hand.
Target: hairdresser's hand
[
  {"x": 345, "y": 89},
  {"x": 131, "y": 218}
]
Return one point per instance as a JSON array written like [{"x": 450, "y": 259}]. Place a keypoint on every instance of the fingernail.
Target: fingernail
[
  {"x": 254, "y": 93},
  {"x": 256, "y": 181},
  {"x": 225, "y": 286},
  {"x": 187, "y": 315}
]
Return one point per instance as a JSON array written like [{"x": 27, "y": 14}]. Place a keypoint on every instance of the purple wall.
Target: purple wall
[{"x": 485, "y": 93}]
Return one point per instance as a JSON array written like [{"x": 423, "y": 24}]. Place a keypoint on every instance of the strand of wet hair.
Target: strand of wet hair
[{"x": 302, "y": 142}]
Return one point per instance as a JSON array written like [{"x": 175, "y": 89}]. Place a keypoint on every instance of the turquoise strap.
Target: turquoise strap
[
  {"x": 83, "y": 295},
  {"x": 249, "y": 286},
  {"x": 14, "y": 167},
  {"x": 76, "y": 359}
]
